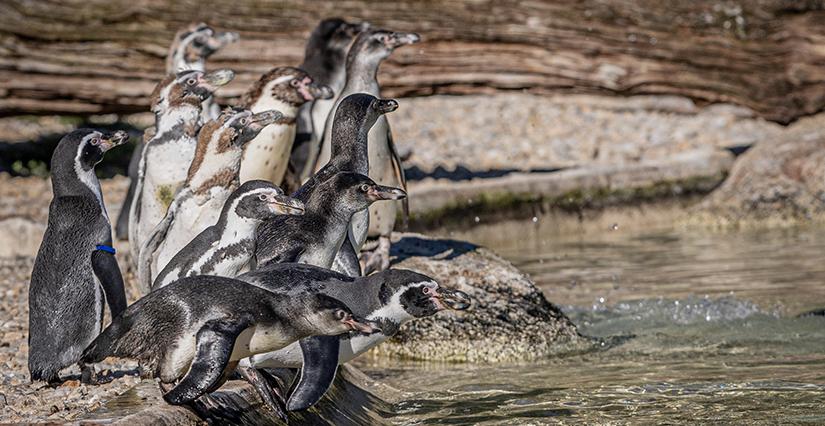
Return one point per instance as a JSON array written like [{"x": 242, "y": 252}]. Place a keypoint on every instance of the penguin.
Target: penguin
[
  {"x": 368, "y": 50},
  {"x": 75, "y": 272},
  {"x": 390, "y": 298},
  {"x": 324, "y": 59},
  {"x": 192, "y": 333},
  {"x": 283, "y": 89},
  {"x": 189, "y": 51},
  {"x": 317, "y": 235},
  {"x": 212, "y": 176},
  {"x": 354, "y": 118},
  {"x": 225, "y": 248},
  {"x": 166, "y": 158}
]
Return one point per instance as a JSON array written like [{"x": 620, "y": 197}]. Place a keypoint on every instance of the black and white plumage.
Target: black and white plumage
[
  {"x": 317, "y": 235},
  {"x": 227, "y": 247},
  {"x": 166, "y": 158},
  {"x": 368, "y": 50},
  {"x": 354, "y": 117},
  {"x": 195, "y": 330},
  {"x": 212, "y": 176},
  {"x": 325, "y": 60},
  {"x": 74, "y": 273},
  {"x": 390, "y": 298}
]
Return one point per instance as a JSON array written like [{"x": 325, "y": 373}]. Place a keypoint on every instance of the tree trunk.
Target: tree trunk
[{"x": 97, "y": 56}]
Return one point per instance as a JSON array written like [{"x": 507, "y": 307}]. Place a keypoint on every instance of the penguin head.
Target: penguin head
[
  {"x": 415, "y": 294},
  {"x": 377, "y": 44},
  {"x": 246, "y": 125},
  {"x": 289, "y": 85},
  {"x": 199, "y": 41},
  {"x": 356, "y": 191},
  {"x": 330, "y": 316},
  {"x": 188, "y": 87},
  {"x": 261, "y": 200},
  {"x": 337, "y": 34},
  {"x": 82, "y": 149},
  {"x": 358, "y": 112}
]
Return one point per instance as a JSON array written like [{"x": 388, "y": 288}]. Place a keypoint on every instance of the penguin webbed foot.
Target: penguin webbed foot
[
  {"x": 268, "y": 388},
  {"x": 379, "y": 259}
]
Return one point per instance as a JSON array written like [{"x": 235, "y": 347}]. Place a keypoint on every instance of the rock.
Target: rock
[
  {"x": 510, "y": 320},
  {"x": 779, "y": 180},
  {"x": 20, "y": 237}
]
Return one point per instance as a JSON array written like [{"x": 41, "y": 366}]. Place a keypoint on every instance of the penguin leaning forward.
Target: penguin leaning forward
[
  {"x": 195, "y": 330},
  {"x": 212, "y": 176},
  {"x": 390, "y": 298},
  {"x": 368, "y": 50},
  {"x": 227, "y": 247},
  {"x": 166, "y": 158},
  {"x": 75, "y": 272}
]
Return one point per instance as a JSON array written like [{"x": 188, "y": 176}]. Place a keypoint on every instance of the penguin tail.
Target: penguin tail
[{"x": 43, "y": 371}]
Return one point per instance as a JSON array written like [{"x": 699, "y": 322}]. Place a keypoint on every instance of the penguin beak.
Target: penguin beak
[
  {"x": 262, "y": 119},
  {"x": 400, "y": 39},
  {"x": 117, "y": 138},
  {"x": 221, "y": 39},
  {"x": 361, "y": 325},
  {"x": 311, "y": 91},
  {"x": 215, "y": 79},
  {"x": 379, "y": 192},
  {"x": 281, "y": 204},
  {"x": 385, "y": 106},
  {"x": 453, "y": 299}
]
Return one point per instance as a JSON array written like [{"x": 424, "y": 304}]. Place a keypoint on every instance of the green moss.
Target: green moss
[{"x": 165, "y": 195}]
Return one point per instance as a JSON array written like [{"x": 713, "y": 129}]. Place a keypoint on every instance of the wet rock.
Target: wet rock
[
  {"x": 510, "y": 319},
  {"x": 780, "y": 180}
]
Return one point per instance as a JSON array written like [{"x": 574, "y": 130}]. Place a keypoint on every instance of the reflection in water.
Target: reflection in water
[{"x": 710, "y": 321}]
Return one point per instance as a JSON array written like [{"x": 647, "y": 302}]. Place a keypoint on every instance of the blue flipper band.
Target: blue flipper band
[{"x": 107, "y": 249}]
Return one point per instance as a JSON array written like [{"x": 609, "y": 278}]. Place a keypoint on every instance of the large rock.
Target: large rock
[
  {"x": 780, "y": 180},
  {"x": 510, "y": 319}
]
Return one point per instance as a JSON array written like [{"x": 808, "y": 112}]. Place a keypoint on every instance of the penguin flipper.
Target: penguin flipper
[
  {"x": 151, "y": 246},
  {"x": 215, "y": 341},
  {"x": 398, "y": 169},
  {"x": 107, "y": 271},
  {"x": 317, "y": 373},
  {"x": 122, "y": 225}
]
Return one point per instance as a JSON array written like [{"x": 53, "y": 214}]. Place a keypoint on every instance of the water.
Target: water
[{"x": 704, "y": 329}]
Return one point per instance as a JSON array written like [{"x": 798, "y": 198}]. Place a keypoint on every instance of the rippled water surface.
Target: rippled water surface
[{"x": 705, "y": 328}]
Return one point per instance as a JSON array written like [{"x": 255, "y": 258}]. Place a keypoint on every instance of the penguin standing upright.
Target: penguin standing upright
[
  {"x": 368, "y": 50},
  {"x": 390, "y": 298},
  {"x": 75, "y": 272},
  {"x": 195, "y": 330},
  {"x": 166, "y": 158},
  {"x": 316, "y": 236},
  {"x": 325, "y": 60},
  {"x": 354, "y": 118},
  {"x": 188, "y": 51},
  {"x": 282, "y": 89},
  {"x": 228, "y": 246},
  {"x": 213, "y": 175}
]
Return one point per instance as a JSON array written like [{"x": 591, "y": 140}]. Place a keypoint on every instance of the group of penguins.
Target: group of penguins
[{"x": 236, "y": 277}]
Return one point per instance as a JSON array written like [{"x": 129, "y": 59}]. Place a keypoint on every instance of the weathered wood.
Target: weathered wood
[{"x": 93, "y": 56}]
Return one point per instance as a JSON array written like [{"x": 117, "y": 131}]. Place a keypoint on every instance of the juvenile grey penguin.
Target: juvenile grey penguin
[
  {"x": 354, "y": 118},
  {"x": 282, "y": 89},
  {"x": 212, "y": 177},
  {"x": 325, "y": 60},
  {"x": 75, "y": 272},
  {"x": 368, "y": 50},
  {"x": 167, "y": 157},
  {"x": 390, "y": 298},
  {"x": 195, "y": 330},
  {"x": 189, "y": 51},
  {"x": 317, "y": 235},
  {"x": 227, "y": 247}
]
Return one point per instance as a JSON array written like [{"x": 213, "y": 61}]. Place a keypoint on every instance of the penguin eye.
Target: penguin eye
[
  {"x": 294, "y": 83},
  {"x": 340, "y": 314},
  {"x": 365, "y": 187},
  {"x": 262, "y": 197},
  {"x": 244, "y": 121},
  {"x": 95, "y": 141},
  {"x": 191, "y": 82}
]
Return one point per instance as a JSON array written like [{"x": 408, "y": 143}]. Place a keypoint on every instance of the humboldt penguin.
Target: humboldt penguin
[
  {"x": 212, "y": 176},
  {"x": 325, "y": 60},
  {"x": 188, "y": 51},
  {"x": 195, "y": 330},
  {"x": 316, "y": 236},
  {"x": 390, "y": 298},
  {"x": 75, "y": 272},
  {"x": 227, "y": 247},
  {"x": 166, "y": 158},
  {"x": 283, "y": 89},
  {"x": 354, "y": 117},
  {"x": 368, "y": 50}
]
